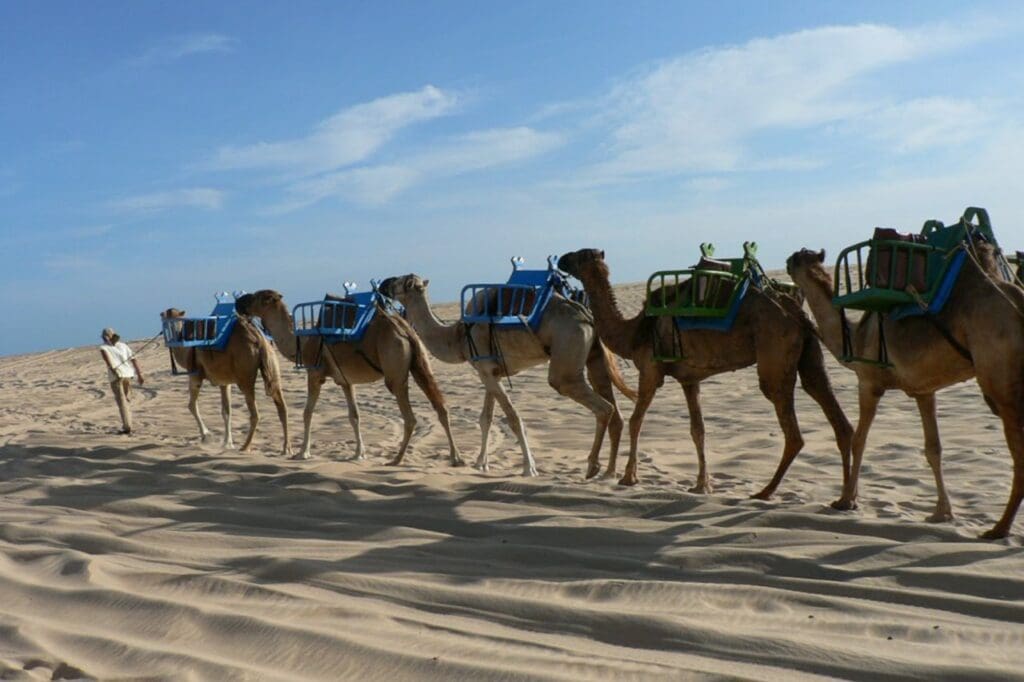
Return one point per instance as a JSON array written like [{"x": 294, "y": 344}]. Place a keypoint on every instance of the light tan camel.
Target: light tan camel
[
  {"x": 983, "y": 315},
  {"x": 770, "y": 330},
  {"x": 390, "y": 350},
  {"x": 247, "y": 353},
  {"x": 565, "y": 336}
]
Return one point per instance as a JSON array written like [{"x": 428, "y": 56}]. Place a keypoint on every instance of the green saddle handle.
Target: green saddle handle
[
  {"x": 707, "y": 249},
  {"x": 981, "y": 214},
  {"x": 932, "y": 226}
]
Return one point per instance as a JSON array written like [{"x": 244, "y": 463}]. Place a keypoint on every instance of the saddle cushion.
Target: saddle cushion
[{"x": 910, "y": 269}]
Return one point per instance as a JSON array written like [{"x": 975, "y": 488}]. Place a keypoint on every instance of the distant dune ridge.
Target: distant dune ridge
[{"x": 154, "y": 556}]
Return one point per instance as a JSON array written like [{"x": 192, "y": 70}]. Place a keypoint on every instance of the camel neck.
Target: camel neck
[
  {"x": 817, "y": 289},
  {"x": 279, "y": 324},
  {"x": 615, "y": 331},
  {"x": 442, "y": 340}
]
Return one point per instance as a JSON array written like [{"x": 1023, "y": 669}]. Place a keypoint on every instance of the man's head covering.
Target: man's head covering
[{"x": 109, "y": 333}]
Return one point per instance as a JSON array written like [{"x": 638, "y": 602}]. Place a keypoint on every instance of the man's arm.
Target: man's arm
[
  {"x": 106, "y": 359},
  {"x": 138, "y": 371}
]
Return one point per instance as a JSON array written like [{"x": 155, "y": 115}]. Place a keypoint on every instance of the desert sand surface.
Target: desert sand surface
[{"x": 154, "y": 556}]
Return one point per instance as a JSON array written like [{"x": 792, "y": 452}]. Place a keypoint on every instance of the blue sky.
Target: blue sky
[{"x": 153, "y": 153}]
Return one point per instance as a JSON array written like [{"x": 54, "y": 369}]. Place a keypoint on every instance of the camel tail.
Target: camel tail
[
  {"x": 616, "y": 374},
  {"x": 269, "y": 367}
]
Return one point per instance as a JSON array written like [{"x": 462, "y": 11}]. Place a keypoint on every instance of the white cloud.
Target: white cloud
[
  {"x": 196, "y": 197},
  {"x": 177, "y": 47},
  {"x": 926, "y": 123},
  {"x": 466, "y": 153},
  {"x": 698, "y": 113},
  {"x": 348, "y": 137}
]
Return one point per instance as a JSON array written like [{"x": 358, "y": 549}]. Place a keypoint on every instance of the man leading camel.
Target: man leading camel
[{"x": 122, "y": 367}]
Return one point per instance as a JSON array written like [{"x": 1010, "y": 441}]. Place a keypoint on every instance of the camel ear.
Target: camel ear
[
  {"x": 426, "y": 283},
  {"x": 821, "y": 256},
  {"x": 602, "y": 254}
]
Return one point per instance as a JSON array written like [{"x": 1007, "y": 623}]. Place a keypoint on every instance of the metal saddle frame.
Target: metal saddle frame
[
  {"x": 342, "y": 319},
  {"x": 707, "y": 296},
  {"x": 211, "y": 332},
  {"x": 518, "y": 303},
  {"x": 907, "y": 277}
]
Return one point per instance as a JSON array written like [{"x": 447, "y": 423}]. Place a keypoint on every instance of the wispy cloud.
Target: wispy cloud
[
  {"x": 926, "y": 123},
  {"x": 466, "y": 153},
  {"x": 700, "y": 112},
  {"x": 196, "y": 197},
  {"x": 178, "y": 47},
  {"x": 346, "y": 138}
]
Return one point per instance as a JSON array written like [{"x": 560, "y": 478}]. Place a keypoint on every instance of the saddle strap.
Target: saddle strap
[{"x": 948, "y": 335}]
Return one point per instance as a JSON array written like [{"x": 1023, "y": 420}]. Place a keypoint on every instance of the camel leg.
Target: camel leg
[
  {"x": 692, "y": 393},
  {"x": 933, "y": 453},
  {"x": 867, "y": 398},
  {"x": 225, "y": 411},
  {"x": 194, "y": 384},
  {"x": 425, "y": 380},
  {"x": 778, "y": 386},
  {"x": 814, "y": 380},
  {"x": 566, "y": 376},
  {"x": 254, "y": 414},
  {"x": 486, "y": 415},
  {"x": 353, "y": 418},
  {"x": 282, "y": 414},
  {"x": 649, "y": 381},
  {"x": 494, "y": 387},
  {"x": 314, "y": 382},
  {"x": 1015, "y": 441},
  {"x": 400, "y": 390},
  {"x": 600, "y": 379}
]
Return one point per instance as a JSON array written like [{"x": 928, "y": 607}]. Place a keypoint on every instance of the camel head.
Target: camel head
[
  {"x": 574, "y": 261},
  {"x": 804, "y": 258},
  {"x": 401, "y": 287},
  {"x": 261, "y": 302}
]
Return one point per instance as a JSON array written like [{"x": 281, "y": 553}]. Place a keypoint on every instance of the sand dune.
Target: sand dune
[{"x": 154, "y": 556}]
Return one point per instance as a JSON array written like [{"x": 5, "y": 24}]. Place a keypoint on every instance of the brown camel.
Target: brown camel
[
  {"x": 390, "y": 350},
  {"x": 565, "y": 336},
  {"x": 770, "y": 330},
  {"x": 247, "y": 353},
  {"x": 984, "y": 316}
]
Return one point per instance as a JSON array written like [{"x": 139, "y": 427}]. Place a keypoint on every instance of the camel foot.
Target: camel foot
[
  {"x": 458, "y": 461},
  {"x": 393, "y": 462},
  {"x": 702, "y": 488},
  {"x": 763, "y": 495},
  {"x": 481, "y": 465},
  {"x": 942, "y": 516},
  {"x": 843, "y": 504},
  {"x": 996, "y": 533},
  {"x": 529, "y": 471},
  {"x": 204, "y": 437},
  {"x": 593, "y": 470},
  {"x": 302, "y": 456},
  {"x": 629, "y": 478},
  {"x": 609, "y": 473}
]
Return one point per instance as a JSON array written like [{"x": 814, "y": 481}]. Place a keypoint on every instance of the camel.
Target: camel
[
  {"x": 247, "y": 353},
  {"x": 565, "y": 337},
  {"x": 983, "y": 315},
  {"x": 770, "y": 330},
  {"x": 390, "y": 350}
]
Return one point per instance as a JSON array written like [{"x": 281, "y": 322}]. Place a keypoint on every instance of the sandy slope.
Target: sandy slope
[{"x": 154, "y": 556}]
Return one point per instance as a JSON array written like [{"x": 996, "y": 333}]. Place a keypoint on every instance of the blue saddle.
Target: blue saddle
[
  {"x": 209, "y": 333},
  {"x": 719, "y": 324},
  {"x": 941, "y": 296},
  {"x": 341, "y": 319},
  {"x": 520, "y": 301}
]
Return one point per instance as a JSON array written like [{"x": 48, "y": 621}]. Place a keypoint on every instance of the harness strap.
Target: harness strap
[{"x": 948, "y": 335}]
